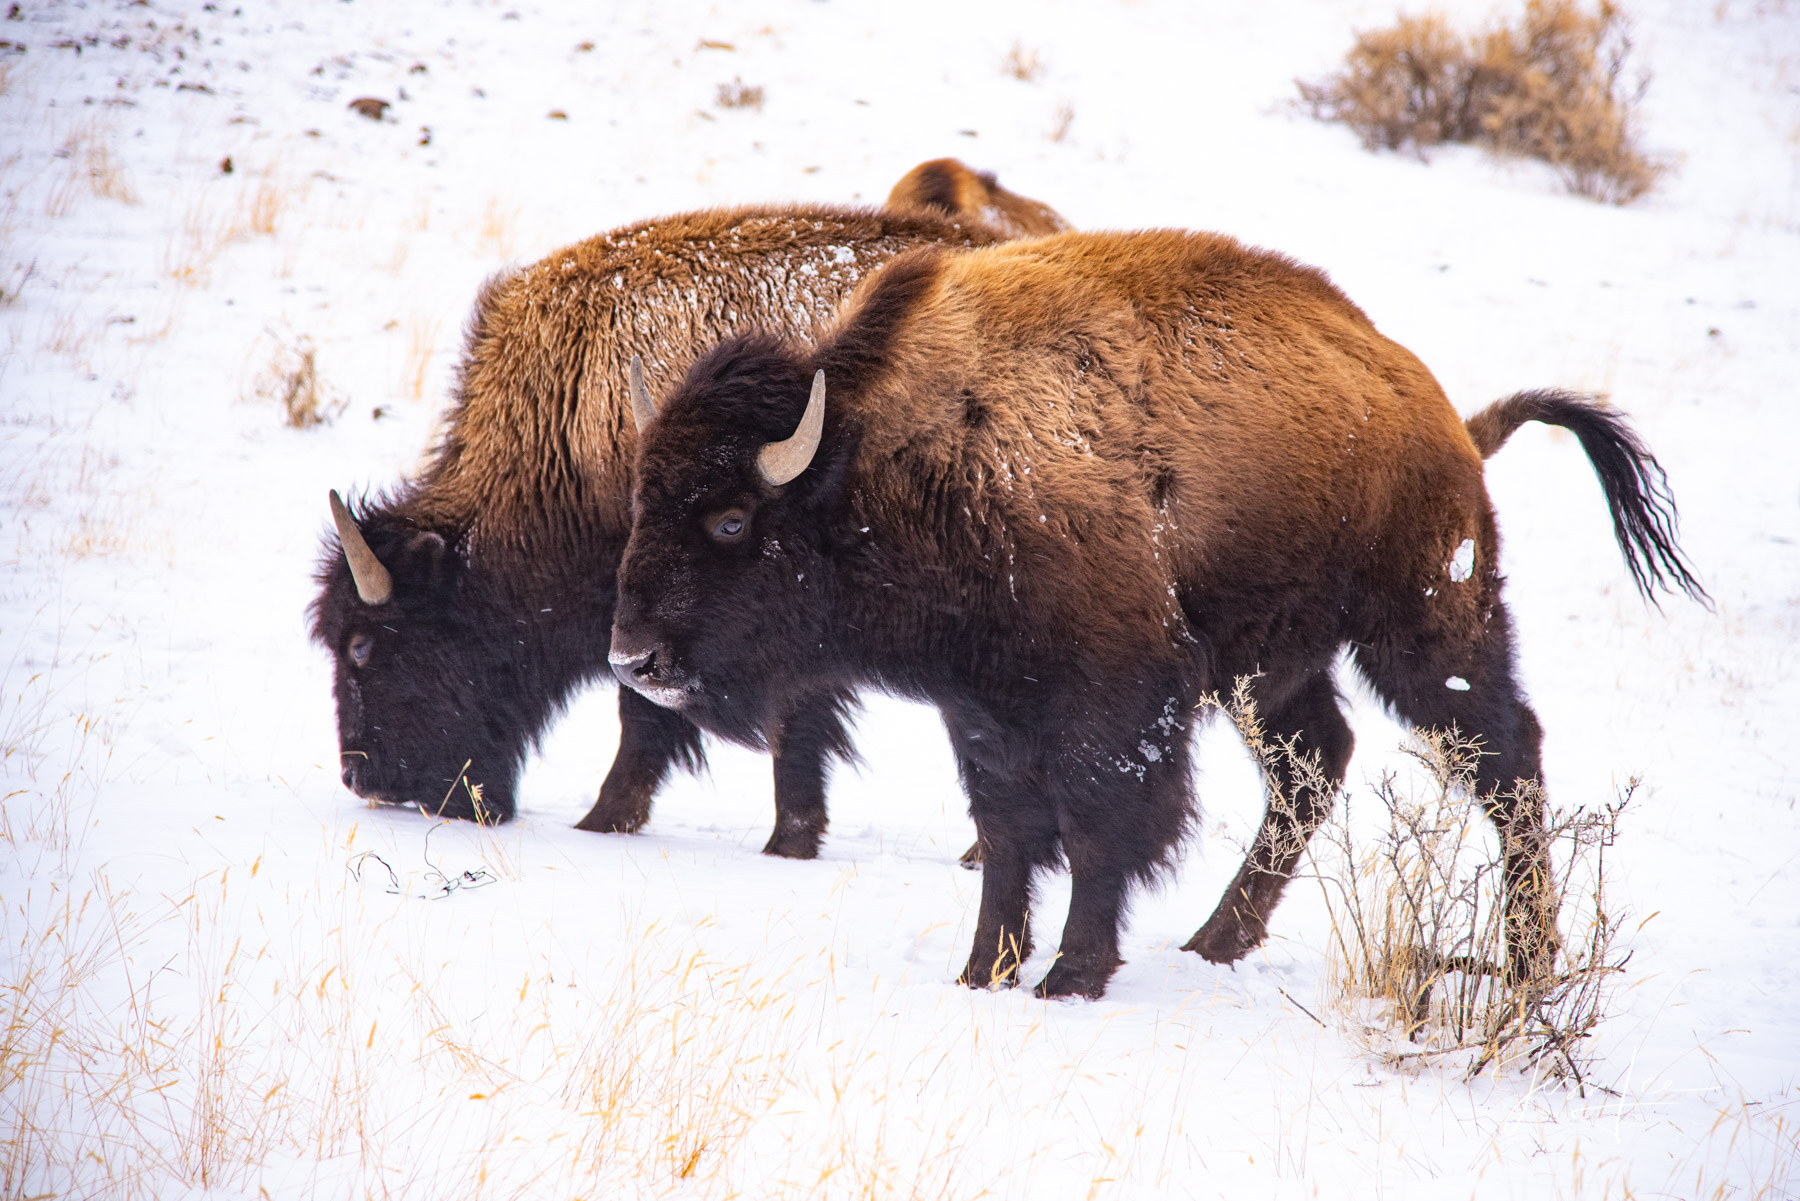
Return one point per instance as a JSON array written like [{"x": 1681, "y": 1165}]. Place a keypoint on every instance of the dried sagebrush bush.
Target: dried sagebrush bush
[{"x": 1550, "y": 87}]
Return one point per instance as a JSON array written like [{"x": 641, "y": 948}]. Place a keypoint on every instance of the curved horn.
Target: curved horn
[
  {"x": 642, "y": 407},
  {"x": 373, "y": 583},
  {"x": 782, "y": 461}
]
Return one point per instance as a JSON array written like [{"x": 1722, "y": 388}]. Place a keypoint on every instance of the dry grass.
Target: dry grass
[
  {"x": 498, "y": 228},
  {"x": 260, "y": 212},
  {"x": 1418, "y": 939},
  {"x": 676, "y": 1103},
  {"x": 233, "y": 1056},
  {"x": 224, "y": 212},
  {"x": 1060, "y": 122},
  {"x": 292, "y": 383},
  {"x": 1551, "y": 86},
  {"x": 89, "y": 169},
  {"x": 1022, "y": 63},
  {"x": 738, "y": 94},
  {"x": 415, "y": 367},
  {"x": 48, "y": 813}
]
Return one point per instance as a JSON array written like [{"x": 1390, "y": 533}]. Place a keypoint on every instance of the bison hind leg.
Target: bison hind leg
[
  {"x": 1466, "y": 687},
  {"x": 1307, "y": 748}
]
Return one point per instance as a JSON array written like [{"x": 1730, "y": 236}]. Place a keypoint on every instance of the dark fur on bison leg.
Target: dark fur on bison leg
[
  {"x": 1490, "y": 711},
  {"x": 651, "y": 740},
  {"x": 1090, "y": 942},
  {"x": 809, "y": 737},
  {"x": 1309, "y": 721},
  {"x": 1100, "y": 870},
  {"x": 1017, "y": 835},
  {"x": 1002, "y": 931}
]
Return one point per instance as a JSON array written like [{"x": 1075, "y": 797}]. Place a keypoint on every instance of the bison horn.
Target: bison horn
[
  {"x": 373, "y": 583},
  {"x": 782, "y": 461},
  {"x": 642, "y": 407}
]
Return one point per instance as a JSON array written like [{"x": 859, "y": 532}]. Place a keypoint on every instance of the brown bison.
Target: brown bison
[
  {"x": 1063, "y": 488},
  {"x": 463, "y": 608}
]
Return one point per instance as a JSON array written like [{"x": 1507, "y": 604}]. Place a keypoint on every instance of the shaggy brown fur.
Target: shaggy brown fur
[
  {"x": 504, "y": 551},
  {"x": 1065, "y": 488},
  {"x": 949, "y": 187}
]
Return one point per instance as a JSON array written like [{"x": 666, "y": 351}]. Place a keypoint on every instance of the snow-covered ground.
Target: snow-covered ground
[{"x": 211, "y": 985}]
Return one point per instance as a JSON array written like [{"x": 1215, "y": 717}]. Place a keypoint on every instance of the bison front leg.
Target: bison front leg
[
  {"x": 1017, "y": 835},
  {"x": 1089, "y": 954},
  {"x": 651, "y": 740},
  {"x": 808, "y": 738},
  {"x": 1003, "y": 928}
]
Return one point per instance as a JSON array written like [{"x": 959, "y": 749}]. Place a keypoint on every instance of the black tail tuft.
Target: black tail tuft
[{"x": 1637, "y": 491}]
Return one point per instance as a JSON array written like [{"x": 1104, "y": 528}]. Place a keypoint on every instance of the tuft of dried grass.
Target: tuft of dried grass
[
  {"x": 738, "y": 94},
  {"x": 415, "y": 371},
  {"x": 90, "y": 168},
  {"x": 1022, "y": 63},
  {"x": 1060, "y": 122},
  {"x": 497, "y": 228},
  {"x": 1418, "y": 916},
  {"x": 292, "y": 382},
  {"x": 1552, "y": 86},
  {"x": 697, "y": 1052}
]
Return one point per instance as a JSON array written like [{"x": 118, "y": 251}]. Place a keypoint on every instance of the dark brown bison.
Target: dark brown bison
[
  {"x": 464, "y": 607},
  {"x": 1061, "y": 489}
]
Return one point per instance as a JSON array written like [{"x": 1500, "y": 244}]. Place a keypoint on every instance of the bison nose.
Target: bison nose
[
  {"x": 638, "y": 661},
  {"x": 633, "y": 667},
  {"x": 348, "y": 776}
]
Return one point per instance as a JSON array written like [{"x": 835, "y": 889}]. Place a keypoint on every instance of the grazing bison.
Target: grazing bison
[
  {"x": 463, "y": 608},
  {"x": 1061, "y": 489}
]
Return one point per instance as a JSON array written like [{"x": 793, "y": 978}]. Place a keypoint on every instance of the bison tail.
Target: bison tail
[{"x": 1637, "y": 491}]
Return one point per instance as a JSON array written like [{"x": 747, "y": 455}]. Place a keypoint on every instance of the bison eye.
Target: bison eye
[
  {"x": 729, "y": 526},
  {"x": 361, "y": 647}
]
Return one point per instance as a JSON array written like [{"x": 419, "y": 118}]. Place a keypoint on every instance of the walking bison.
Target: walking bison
[
  {"x": 1061, "y": 489},
  {"x": 463, "y": 608}
]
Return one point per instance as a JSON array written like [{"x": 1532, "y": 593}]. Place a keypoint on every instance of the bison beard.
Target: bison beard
[
  {"x": 1061, "y": 490},
  {"x": 475, "y": 600}
]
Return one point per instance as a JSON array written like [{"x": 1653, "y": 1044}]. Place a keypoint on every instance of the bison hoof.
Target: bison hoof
[
  {"x": 971, "y": 858},
  {"x": 1224, "y": 938},
  {"x": 797, "y": 841},
  {"x": 1071, "y": 979},
  {"x": 610, "y": 817},
  {"x": 989, "y": 976}
]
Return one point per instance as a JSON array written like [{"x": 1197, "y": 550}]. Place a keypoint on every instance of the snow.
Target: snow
[
  {"x": 1462, "y": 563},
  {"x": 226, "y": 976}
]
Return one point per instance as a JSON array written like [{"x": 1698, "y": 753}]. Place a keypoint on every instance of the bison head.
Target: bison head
[
  {"x": 425, "y": 674},
  {"x": 727, "y": 580}
]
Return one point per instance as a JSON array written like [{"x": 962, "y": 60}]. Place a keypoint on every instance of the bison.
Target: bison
[
  {"x": 1064, "y": 488},
  {"x": 464, "y": 607}
]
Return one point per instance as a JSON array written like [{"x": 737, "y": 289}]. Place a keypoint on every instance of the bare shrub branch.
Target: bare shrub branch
[{"x": 1418, "y": 914}]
